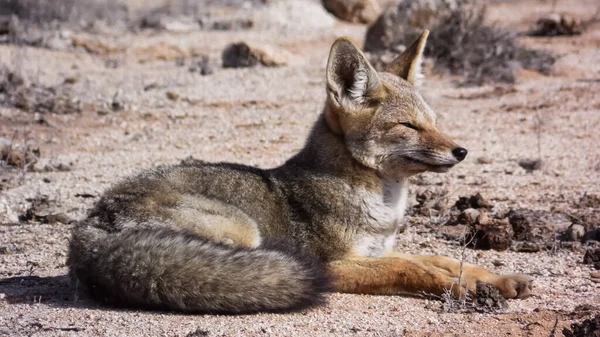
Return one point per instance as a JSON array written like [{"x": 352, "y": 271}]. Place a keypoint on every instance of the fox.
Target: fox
[{"x": 226, "y": 238}]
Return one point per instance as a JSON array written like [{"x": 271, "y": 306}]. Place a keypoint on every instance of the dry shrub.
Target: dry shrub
[
  {"x": 465, "y": 45},
  {"x": 461, "y": 42}
]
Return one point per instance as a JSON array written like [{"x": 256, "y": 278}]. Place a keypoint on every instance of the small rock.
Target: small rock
[
  {"x": 453, "y": 233},
  {"x": 39, "y": 118},
  {"x": 242, "y": 55},
  {"x": 531, "y": 165},
  {"x": 575, "y": 232},
  {"x": 270, "y": 56},
  {"x": 151, "y": 86},
  {"x": 496, "y": 235},
  {"x": 70, "y": 80},
  {"x": 488, "y": 299},
  {"x": 172, "y": 95},
  {"x": 4, "y": 250},
  {"x": 475, "y": 201},
  {"x": 468, "y": 216},
  {"x": 484, "y": 160},
  {"x": 358, "y": 11},
  {"x": 84, "y": 195},
  {"x": 527, "y": 247},
  {"x": 595, "y": 274},
  {"x": 555, "y": 24},
  {"x": 116, "y": 104},
  {"x": 483, "y": 218},
  {"x": 592, "y": 256},
  {"x": 498, "y": 263},
  {"x": 239, "y": 55},
  {"x": 58, "y": 217}
]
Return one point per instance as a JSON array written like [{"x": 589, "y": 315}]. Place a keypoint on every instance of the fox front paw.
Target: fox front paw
[{"x": 514, "y": 285}]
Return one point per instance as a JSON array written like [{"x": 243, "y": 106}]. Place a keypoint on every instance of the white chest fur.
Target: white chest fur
[
  {"x": 395, "y": 196},
  {"x": 382, "y": 216}
]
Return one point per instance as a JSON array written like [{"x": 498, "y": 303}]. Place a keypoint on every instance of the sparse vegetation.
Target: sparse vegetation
[
  {"x": 588, "y": 328},
  {"x": 463, "y": 43},
  {"x": 35, "y": 98},
  {"x": 473, "y": 221}
]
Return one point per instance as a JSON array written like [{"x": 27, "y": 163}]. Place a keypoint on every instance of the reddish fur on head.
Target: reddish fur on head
[{"x": 386, "y": 123}]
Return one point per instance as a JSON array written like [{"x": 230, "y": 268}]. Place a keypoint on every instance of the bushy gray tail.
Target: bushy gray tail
[{"x": 171, "y": 270}]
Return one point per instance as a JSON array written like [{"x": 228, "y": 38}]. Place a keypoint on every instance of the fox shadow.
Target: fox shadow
[{"x": 56, "y": 291}]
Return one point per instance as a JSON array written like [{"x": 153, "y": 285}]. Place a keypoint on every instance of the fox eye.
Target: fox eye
[{"x": 408, "y": 125}]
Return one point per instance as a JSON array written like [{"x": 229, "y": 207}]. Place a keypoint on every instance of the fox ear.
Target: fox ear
[
  {"x": 351, "y": 80},
  {"x": 408, "y": 64}
]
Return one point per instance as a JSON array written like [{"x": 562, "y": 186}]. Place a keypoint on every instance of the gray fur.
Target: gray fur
[{"x": 228, "y": 238}]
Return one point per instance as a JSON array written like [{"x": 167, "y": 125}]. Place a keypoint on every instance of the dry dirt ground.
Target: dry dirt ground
[{"x": 260, "y": 116}]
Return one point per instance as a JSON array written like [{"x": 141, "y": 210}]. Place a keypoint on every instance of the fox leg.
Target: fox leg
[
  {"x": 393, "y": 275},
  {"x": 414, "y": 274},
  {"x": 509, "y": 286}
]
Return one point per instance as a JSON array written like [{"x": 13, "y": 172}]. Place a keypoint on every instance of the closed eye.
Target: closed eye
[{"x": 408, "y": 125}]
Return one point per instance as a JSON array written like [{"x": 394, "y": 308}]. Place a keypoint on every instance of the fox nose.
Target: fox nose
[{"x": 460, "y": 153}]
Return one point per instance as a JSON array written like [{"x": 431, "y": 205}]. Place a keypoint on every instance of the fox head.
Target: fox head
[{"x": 386, "y": 124}]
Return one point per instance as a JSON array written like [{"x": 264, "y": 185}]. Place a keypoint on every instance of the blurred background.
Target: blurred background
[{"x": 94, "y": 90}]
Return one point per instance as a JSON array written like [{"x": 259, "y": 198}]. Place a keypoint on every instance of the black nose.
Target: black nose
[{"x": 460, "y": 153}]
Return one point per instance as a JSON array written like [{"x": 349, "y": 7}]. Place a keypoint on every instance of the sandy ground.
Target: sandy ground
[{"x": 261, "y": 116}]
